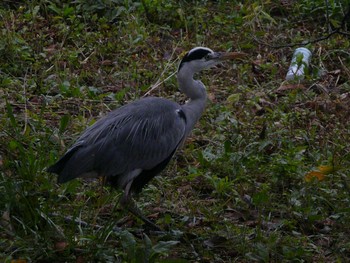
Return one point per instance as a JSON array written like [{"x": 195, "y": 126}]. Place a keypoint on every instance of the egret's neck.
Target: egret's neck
[{"x": 195, "y": 90}]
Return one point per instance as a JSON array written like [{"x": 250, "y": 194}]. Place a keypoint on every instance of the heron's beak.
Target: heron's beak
[{"x": 230, "y": 55}]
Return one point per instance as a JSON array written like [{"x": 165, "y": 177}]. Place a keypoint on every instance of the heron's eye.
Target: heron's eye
[{"x": 207, "y": 57}]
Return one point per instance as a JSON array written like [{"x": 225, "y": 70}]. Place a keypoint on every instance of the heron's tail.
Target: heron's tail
[{"x": 60, "y": 165}]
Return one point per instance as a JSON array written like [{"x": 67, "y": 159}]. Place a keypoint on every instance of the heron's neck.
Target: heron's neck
[{"x": 195, "y": 90}]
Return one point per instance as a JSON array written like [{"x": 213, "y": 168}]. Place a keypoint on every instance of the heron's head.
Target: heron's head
[{"x": 200, "y": 58}]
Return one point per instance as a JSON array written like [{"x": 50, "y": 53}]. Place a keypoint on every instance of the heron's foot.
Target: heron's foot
[
  {"x": 128, "y": 203},
  {"x": 136, "y": 212}
]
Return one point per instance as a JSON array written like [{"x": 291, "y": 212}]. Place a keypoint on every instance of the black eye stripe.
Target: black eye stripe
[{"x": 195, "y": 55}]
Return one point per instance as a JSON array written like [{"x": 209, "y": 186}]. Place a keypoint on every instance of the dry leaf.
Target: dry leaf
[
  {"x": 326, "y": 169},
  {"x": 211, "y": 96},
  {"x": 289, "y": 87},
  {"x": 5, "y": 222},
  {"x": 60, "y": 245},
  {"x": 314, "y": 174}
]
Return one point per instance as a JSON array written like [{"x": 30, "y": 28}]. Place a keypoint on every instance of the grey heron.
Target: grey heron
[{"x": 134, "y": 143}]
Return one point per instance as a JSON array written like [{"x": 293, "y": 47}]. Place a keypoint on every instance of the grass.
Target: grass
[{"x": 265, "y": 174}]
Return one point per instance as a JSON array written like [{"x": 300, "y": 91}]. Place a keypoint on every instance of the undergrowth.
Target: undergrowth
[{"x": 263, "y": 177}]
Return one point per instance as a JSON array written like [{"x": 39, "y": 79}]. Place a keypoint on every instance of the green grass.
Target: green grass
[{"x": 238, "y": 191}]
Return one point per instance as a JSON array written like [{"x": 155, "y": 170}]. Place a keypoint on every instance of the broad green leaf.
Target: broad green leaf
[{"x": 64, "y": 123}]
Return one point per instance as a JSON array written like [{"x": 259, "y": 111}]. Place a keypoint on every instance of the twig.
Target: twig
[
  {"x": 115, "y": 229},
  {"x": 337, "y": 30},
  {"x": 327, "y": 17},
  {"x": 25, "y": 105},
  {"x": 345, "y": 18},
  {"x": 297, "y": 44},
  {"x": 159, "y": 82},
  {"x": 70, "y": 219},
  {"x": 342, "y": 25}
]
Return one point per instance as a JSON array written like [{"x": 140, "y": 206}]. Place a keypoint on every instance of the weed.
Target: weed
[{"x": 264, "y": 175}]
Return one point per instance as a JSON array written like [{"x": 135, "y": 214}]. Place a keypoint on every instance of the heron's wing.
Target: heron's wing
[{"x": 139, "y": 135}]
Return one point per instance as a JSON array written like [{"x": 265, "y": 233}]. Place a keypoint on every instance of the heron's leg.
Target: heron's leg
[{"x": 127, "y": 202}]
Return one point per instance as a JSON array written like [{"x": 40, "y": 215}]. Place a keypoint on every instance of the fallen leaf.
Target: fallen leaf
[
  {"x": 107, "y": 62},
  {"x": 335, "y": 72},
  {"x": 216, "y": 241},
  {"x": 289, "y": 87},
  {"x": 5, "y": 222},
  {"x": 80, "y": 259},
  {"x": 211, "y": 96},
  {"x": 60, "y": 245},
  {"x": 314, "y": 174},
  {"x": 326, "y": 169}
]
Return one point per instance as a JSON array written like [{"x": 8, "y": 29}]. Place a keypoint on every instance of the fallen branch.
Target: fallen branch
[
  {"x": 337, "y": 30},
  {"x": 304, "y": 43}
]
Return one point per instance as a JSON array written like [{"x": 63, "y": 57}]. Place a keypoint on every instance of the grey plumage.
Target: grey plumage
[
  {"x": 135, "y": 142},
  {"x": 114, "y": 145}
]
